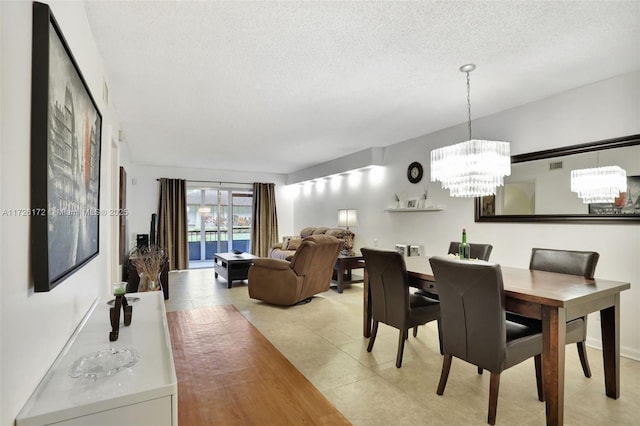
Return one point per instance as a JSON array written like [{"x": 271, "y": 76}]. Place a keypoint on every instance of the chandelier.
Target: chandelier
[
  {"x": 600, "y": 184},
  {"x": 474, "y": 168}
]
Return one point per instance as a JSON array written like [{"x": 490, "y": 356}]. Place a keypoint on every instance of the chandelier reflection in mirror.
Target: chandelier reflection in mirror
[
  {"x": 600, "y": 184},
  {"x": 474, "y": 168}
]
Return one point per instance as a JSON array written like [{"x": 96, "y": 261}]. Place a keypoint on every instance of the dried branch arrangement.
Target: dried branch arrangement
[{"x": 148, "y": 261}]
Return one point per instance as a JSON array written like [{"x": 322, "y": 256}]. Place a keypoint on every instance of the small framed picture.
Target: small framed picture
[{"x": 412, "y": 203}]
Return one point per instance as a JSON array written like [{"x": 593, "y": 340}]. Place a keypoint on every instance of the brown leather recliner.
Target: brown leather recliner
[
  {"x": 474, "y": 328},
  {"x": 570, "y": 262},
  {"x": 286, "y": 283}
]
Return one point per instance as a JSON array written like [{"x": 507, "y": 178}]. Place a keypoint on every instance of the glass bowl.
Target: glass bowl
[{"x": 103, "y": 363}]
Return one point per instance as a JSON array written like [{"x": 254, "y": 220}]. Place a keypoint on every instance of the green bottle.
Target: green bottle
[{"x": 464, "y": 251}]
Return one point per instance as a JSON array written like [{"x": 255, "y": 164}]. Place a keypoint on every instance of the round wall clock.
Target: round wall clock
[{"x": 414, "y": 172}]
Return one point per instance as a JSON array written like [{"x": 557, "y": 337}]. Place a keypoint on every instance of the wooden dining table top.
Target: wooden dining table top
[{"x": 545, "y": 288}]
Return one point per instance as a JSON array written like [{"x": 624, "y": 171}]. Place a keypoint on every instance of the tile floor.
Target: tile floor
[{"x": 323, "y": 339}]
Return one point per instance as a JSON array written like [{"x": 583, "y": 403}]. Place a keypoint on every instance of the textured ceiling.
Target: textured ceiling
[{"x": 280, "y": 86}]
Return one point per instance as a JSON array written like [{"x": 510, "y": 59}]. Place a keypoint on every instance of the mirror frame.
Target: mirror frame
[{"x": 565, "y": 218}]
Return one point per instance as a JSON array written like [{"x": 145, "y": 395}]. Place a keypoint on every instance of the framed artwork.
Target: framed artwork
[
  {"x": 412, "y": 203},
  {"x": 66, "y": 130},
  {"x": 627, "y": 203},
  {"x": 489, "y": 205}
]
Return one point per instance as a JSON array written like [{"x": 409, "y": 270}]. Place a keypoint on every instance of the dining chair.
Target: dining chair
[
  {"x": 478, "y": 251},
  {"x": 391, "y": 301},
  {"x": 474, "y": 327},
  {"x": 572, "y": 262}
]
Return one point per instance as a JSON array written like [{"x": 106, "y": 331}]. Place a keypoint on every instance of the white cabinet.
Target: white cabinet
[{"x": 144, "y": 394}]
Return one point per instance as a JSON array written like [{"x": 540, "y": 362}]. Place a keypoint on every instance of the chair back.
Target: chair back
[
  {"x": 571, "y": 262},
  {"x": 314, "y": 260},
  {"x": 388, "y": 286},
  {"x": 472, "y": 307},
  {"x": 477, "y": 251}
]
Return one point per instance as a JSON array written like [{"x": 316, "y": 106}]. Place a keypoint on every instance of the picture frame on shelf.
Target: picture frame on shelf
[
  {"x": 412, "y": 203},
  {"x": 66, "y": 133}
]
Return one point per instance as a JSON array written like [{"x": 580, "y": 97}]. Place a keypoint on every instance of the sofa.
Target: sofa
[
  {"x": 285, "y": 283},
  {"x": 286, "y": 249}
]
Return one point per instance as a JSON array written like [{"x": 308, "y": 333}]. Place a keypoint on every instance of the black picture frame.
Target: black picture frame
[{"x": 66, "y": 127}]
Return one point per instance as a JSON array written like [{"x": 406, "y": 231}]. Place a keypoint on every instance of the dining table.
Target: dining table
[{"x": 553, "y": 298}]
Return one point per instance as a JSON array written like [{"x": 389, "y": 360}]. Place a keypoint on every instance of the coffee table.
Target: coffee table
[{"x": 232, "y": 267}]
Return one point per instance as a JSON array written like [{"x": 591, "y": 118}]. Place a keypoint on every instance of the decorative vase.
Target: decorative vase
[
  {"x": 149, "y": 285},
  {"x": 153, "y": 285},
  {"x": 143, "y": 285}
]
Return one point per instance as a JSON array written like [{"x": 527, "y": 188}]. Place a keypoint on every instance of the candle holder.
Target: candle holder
[{"x": 120, "y": 302}]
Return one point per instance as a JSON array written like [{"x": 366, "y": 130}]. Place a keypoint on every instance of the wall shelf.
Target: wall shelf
[{"x": 413, "y": 209}]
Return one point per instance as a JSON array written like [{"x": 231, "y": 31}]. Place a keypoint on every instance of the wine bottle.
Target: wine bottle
[{"x": 464, "y": 251}]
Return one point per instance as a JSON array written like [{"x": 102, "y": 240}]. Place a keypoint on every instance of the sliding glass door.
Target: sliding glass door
[{"x": 219, "y": 220}]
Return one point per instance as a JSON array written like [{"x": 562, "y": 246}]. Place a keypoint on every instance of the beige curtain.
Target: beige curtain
[
  {"x": 172, "y": 222},
  {"x": 264, "y": 227}
]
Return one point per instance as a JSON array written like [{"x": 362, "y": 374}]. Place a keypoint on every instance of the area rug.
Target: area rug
[{"x": 230, "y": 374}]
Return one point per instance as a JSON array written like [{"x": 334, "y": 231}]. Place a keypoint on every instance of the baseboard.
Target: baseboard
[{"x": 625, "y": 351}]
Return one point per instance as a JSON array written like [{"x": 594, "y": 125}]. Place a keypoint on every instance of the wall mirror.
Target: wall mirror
[{"x": 539, "y": 188}]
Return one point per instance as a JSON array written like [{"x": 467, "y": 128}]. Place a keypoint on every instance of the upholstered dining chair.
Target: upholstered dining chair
[
  {"x": 474, "y": 327},
  {"x": 570, "y": 262},
  {"x": 391, "y": 301},
  {"x": 478, "y": 251}
]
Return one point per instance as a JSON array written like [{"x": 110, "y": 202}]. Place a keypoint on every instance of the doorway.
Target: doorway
[{"x": 218, "y": 221}]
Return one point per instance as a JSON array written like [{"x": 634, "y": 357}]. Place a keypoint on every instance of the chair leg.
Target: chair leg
[
  {"x": 444, "y": 374},
  {"x": 403, "y": 337},
  {"x": 372, "y": 339},
  {"x": 582, "y": 353},
  {"x": 440, "y": 337},
  {"x": 494, "y": 386},
  {"x": 538, "y": 363},
  {"x": 415, "y": 331}
]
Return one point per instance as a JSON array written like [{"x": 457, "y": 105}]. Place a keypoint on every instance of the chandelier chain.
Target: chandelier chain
[{"x": 469, "y": 102}]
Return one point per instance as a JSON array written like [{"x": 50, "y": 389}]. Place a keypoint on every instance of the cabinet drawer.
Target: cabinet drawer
[{"x": 156, "y": 412}]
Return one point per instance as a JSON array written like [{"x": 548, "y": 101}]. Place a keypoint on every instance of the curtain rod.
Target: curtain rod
[{"x": 216, "y": 181}]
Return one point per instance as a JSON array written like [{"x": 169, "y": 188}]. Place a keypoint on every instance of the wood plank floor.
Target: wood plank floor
[{"x": 230, "y": 374}]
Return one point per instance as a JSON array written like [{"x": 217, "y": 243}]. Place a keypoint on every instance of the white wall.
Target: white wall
[
  {"x": 599, "y": 111},
  {"x": 35, "y": 326},
  {"x": 142, "y": 196}
]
